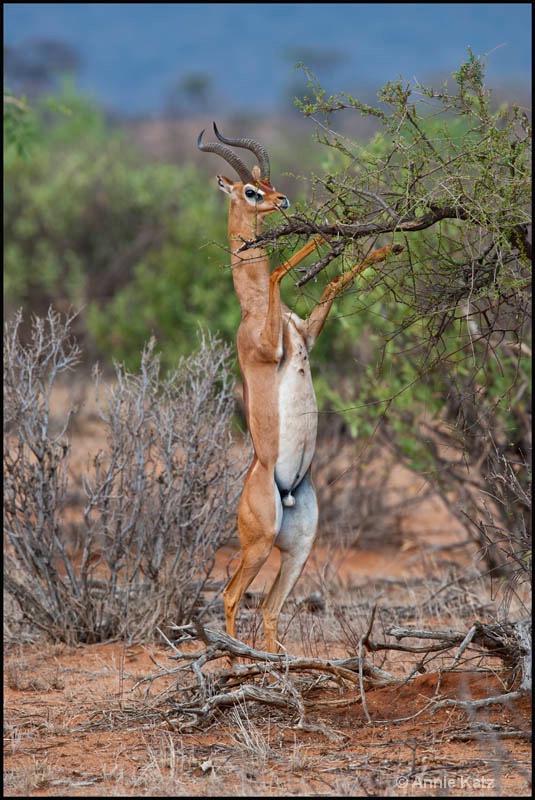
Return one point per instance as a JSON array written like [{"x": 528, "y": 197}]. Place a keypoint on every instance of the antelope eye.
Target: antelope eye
[{"x": 251, "y": 193}]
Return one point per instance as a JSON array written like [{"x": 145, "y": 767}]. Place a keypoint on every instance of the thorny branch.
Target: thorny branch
[
  {"x": 341, "y": 234},
  {"x": 347, "y": 233}
]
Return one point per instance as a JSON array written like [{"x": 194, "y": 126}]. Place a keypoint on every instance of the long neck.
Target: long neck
[{"x": 250, "y": 268}]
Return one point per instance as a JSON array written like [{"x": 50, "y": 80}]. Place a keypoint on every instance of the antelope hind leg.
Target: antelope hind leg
[{"x": 295, "y": 540}]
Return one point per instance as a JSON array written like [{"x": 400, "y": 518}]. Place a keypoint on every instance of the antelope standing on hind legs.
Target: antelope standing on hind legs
[{"x": 278, "y": 504}]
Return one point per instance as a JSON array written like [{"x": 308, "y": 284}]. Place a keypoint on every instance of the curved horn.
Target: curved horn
[
  {"x": 231, "y": 158},
  {"x": 255, "y": 147}
]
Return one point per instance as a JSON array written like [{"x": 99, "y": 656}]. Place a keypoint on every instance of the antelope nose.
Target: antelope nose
[{"x": 283, "y": 201}]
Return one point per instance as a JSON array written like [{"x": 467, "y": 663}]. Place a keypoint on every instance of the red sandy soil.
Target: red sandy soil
[
  {"x": 74, "y": 726},
  {"x": 66, "y": 733}
]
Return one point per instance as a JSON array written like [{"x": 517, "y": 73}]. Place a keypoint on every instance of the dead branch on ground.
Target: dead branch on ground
[
  {"x": 272, "y": 679},
  {"x": 194, "y": 698},
  {"x": 511, "y": 642}
]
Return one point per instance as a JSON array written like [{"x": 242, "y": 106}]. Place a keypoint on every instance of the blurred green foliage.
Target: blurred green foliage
[
  {"x": 18, "y": 124},
  {"x": 141, "y": 248},
  {"x": 90, "y": 223}
]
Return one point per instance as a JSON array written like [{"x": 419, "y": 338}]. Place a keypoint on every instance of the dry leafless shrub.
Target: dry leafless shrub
[
  {"x": 357, "y": 498},
  {"x": 486, "y": 485},
  {"x": 160, "y": 498}
]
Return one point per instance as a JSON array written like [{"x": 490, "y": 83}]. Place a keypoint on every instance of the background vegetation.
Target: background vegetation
[{"x": 428, "y": 355}]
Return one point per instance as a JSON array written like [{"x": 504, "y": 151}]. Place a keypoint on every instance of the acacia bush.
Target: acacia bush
[
  {"x": 160, "y": 498},
  {"x": 435, "y": 344}
]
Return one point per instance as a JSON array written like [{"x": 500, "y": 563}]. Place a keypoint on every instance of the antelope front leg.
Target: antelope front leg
[
  {"x": 317, "y": 319},
  {"x": 279, "y": 272},
  {"x": 270, "y": 336}
]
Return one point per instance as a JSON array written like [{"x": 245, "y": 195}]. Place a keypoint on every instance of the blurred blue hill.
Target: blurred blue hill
[{"x": 135, "y": 58}]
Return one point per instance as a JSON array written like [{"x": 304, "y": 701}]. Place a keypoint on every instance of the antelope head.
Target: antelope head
[{"x": 254, "y": 191}]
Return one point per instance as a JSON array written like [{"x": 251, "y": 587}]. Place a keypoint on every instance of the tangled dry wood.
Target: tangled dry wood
[
  {"x": 193, "y": 698},
  {"x": 281, "y": 680}
]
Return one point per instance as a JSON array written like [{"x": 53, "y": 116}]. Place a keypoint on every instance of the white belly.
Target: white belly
[{"x": 298, "y": 419}]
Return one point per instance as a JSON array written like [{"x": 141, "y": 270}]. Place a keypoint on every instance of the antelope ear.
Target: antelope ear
[{"x": 225, "y": 184}]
